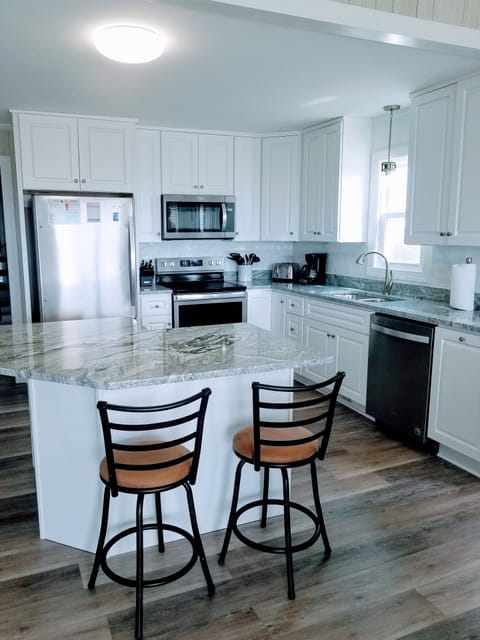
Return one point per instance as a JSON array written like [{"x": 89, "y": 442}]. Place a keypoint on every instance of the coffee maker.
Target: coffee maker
[{"x": 313, "y": 272}]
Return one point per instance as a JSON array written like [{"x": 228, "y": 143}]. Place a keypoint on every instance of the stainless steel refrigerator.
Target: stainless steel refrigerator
[{"x": 85, "y": 256}]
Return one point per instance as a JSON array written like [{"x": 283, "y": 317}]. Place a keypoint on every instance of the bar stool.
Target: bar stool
[
  {"x": 284, "y": 444},
  {"x": 150, "y": 466}
]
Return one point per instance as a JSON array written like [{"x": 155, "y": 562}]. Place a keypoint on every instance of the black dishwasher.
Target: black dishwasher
[{"x": 399, "y": 370}]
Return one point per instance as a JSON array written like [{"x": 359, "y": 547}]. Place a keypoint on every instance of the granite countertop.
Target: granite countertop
[
  {"x": 439, "y": 313},
  {"x": 114, "y": 353}
]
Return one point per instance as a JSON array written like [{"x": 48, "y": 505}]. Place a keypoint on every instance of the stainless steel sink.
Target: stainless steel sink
[{"x": 365, "y": 296}]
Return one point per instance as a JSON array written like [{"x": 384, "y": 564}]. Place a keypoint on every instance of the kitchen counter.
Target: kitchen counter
[
  {"x": 72, "y": 365},
  {"x": 413, "y": 308}
]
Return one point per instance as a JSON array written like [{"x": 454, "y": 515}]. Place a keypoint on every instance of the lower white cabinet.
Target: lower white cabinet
[
  {"x": 156, "y": 310},
  {"x": 454, "y": 418},
  {"x": 279, "y": 310},
  {"x": 259, "y": 306}
]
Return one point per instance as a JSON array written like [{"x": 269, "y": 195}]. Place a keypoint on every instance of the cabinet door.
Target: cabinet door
[
  {"x": 215, "y": 164},
  {"x": 294, "y": 327},
  {"x": 259, "y": 308},
  {"x": 319, "y": 336},
  {"x": 148, "y": 186},
  {"x": 49, "y": 152},
  {"x": 313, "y": 186},
  {"x": 328, "y": 221},
  {"x": 429, "y": 170},
  {"x": 247, "y": 188},
  {"x": 352, "y": 357},
  {"x": 179, "y": 162},
  {"x": 464, "y": 222},
  {"x": 106, "y": 150},
  {"x": 454, "y": 418},
  {"x": 280, "y": 187},
  {"x": 279, "y": 305}
]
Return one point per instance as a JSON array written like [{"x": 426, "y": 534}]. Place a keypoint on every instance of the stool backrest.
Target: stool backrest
[
  {"x": 119, "y": 421},
  {"x": 303, "y": 408}
]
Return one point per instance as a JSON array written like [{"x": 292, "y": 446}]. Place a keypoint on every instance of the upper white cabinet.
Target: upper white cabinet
[
  {"x": 444, "y": 188},
  {"x": 429, "y": 167},
  {"x": 76, "y": 154},
  {"x": 335, "y": 180},
  {"x": 197, "y": 163},
  {"x": 247, "y": 187},
  {"x": 148, "y": 185},
  {"x": 280, "y": 187}
]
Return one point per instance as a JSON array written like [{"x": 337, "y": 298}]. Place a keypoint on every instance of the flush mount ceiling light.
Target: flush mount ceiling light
[
  {"x": 388, "y": 166},
  {"x": 130, "y": 44}
]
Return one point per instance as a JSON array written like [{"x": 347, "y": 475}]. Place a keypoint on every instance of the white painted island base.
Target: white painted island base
[{"x": 68, "y": 446}]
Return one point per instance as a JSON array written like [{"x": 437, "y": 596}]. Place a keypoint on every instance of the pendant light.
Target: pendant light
[{"x": 389, "y": 166}]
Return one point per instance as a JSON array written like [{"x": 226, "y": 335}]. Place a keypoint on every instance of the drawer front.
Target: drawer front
[
  {"x": 295, "y": 305},
  {"x": 338, "y": 315},
  {"x": 294, "y": 327},
  {"x": 156, "y": 323},
  {"x": 153, "y": 305}
]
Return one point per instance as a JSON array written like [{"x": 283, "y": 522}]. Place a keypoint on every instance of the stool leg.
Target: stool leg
[
  {"x": 318, "y": 507},
  {"x": 263, "y": 521},
  {"x": 233, "y": 511},
  {"x": 198, "y": 540},
  {"x": 158, "y": 508},
  {"x": 139, "y": 574},
  {"x": 101, "y": 538},
  {"x": 288, "y": 534}
]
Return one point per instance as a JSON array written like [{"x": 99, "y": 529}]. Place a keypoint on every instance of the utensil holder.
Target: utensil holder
[{"x": 244, "y": 272}]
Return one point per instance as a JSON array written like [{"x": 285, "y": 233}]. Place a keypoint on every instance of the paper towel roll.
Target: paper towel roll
[{"x": 462, "y": 286}]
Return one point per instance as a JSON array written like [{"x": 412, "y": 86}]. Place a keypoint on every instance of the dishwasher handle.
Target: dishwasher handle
[{"x": 402, "y": 335}]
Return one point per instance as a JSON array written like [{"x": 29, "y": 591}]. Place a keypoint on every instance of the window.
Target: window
[{"x": 388, "y": 198}]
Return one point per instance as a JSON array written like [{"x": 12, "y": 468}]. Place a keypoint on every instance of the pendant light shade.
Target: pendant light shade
[
  {"x": 130, "y": 44},
  {"x": 389, "y": 166}
]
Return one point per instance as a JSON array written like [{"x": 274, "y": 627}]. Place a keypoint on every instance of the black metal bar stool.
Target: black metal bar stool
[
  {"x": 284, "y": 444},
  {"x": 151, "y": 466}
]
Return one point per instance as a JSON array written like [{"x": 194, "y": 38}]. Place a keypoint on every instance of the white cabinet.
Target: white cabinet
[
  {"x": 73, "y": 154},
  {"x": 156, "y": 310},
  {"x": 428, "y": 218},
  {"x": 295, "y": 306},
  {"x": 280, "y": 187},
  {"x": 279, "y": 310},
  {"x": 335, "y": 181},
  {"x": 148, "y": 186},
  {"x": 259, "y": 308},
  {"x": 247, "y": 187},
  {"x": 343, "y": 333},
  {"x": 465, "y": 190},
  {"x": 197, "y": 163},
  {"x": 454, "y": 418}
]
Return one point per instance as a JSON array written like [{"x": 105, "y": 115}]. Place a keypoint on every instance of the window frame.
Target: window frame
[{"x": 401, "y": 271}]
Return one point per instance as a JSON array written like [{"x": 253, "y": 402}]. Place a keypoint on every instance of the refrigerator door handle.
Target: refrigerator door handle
[{"x": 133, "y": 271}]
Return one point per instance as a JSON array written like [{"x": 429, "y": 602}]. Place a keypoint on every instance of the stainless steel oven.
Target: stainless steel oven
[{"x": 200, "y": 294}]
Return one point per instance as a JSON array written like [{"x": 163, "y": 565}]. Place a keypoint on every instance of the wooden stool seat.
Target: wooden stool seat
[{"x": 243, "y": 445}]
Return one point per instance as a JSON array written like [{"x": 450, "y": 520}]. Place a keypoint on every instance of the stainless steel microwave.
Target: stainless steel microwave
[{"x": 198, "y": 217}]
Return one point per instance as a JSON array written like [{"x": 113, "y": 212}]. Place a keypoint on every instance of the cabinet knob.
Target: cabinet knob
[
  {"x": 461, "y": 339},
  {"x": 195, "y": 186},
  {"x": 291, "y": 233},
  {"x": 281, "y": 301},
  {"x": 76, "y": 180},
  {"x": 202, "y": 187},
  {"x": 83, "y": 180},
  {"x": 449, "y": 233},
  {"x": 442, "y": 233}
]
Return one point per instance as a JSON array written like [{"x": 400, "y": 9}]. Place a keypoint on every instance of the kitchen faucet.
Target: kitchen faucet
[{"x": 388, "y": 283}]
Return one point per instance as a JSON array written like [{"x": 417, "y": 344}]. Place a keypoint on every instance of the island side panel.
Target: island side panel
[{"x": 68, "y": 446}]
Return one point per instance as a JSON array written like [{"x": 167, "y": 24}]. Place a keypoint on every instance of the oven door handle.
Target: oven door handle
[
  {"x": 403, "y": 335},
  {"x": 224, "y": 216},
  {"x": 193, "y": 297}
]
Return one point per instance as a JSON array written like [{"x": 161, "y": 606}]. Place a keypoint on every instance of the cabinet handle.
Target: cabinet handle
[
  {"x": 461, "y": 339},
  {"x": 76, "y": 180}
]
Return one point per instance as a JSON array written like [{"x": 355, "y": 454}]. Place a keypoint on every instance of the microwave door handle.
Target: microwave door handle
[{"x": 224, "y": 216}]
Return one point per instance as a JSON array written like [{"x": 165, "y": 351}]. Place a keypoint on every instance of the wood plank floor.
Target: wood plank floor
[{"x": 404, "y": 527}]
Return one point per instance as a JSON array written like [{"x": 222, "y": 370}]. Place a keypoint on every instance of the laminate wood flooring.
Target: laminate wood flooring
[{"x": 404, "y": 527}]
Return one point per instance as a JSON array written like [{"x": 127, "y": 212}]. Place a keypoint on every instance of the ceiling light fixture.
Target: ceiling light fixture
[
  {"x": 389, "y": 166},
  {"x": 130, "y": 44}
]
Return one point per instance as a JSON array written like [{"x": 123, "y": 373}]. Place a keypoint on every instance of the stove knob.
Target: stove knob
[
  {"x": 164, "y": 264},
  {"x": 219, "y": 262},
  {"x": 171, "y": 264},
  {"x": 211, "y": 262}
]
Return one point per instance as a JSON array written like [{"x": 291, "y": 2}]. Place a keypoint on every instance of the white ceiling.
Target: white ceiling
[{"x": 224, "y": 68}]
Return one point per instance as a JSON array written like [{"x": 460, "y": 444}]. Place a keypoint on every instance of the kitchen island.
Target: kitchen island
[{"x": 71, "y": 365}]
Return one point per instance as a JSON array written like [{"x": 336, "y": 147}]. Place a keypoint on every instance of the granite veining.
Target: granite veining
[{"x": 114, "y": 353}]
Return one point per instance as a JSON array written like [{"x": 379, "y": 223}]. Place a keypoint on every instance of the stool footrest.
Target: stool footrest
[
  {"x": 277, "y": 549},
  {"x": 153, "y": 582}
]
